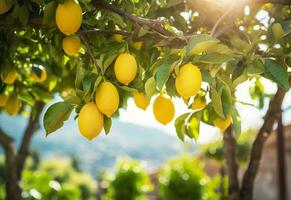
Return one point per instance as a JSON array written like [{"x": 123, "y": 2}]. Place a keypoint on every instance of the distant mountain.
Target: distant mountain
[{"x": 125, "y": 139}]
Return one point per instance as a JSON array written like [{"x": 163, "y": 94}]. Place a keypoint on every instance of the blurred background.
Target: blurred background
[{"x": 141, "y": 159}]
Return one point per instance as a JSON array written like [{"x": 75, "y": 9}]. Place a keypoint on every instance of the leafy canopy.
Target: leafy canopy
[{"x": 162, "y": 36}]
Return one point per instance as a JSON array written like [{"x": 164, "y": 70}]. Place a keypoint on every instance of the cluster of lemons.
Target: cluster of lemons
[
  {"x": 91, "y": 116},
  {"x": 91, "y": 119},
  {"x": 10, "y": 102}
]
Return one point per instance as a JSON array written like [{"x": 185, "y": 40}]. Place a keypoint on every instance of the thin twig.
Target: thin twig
[
  {"x": 108, "y": 31},
  {"x": 88, "y": 48}
]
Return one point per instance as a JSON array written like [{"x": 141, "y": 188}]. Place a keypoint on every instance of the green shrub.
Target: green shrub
[
  {"x": 183, "y": 178},
  {"x": 130, "y": 182},
  {"x": 40, "y": 185}
]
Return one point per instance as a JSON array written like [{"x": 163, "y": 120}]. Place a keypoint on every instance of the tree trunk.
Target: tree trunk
[
  {"x": 222, "y": 183},
  {"x": 231, "y": 164},
  {"x": 12, "y": 187},
  {"x": 14, "y": 162},
  {"x": 271, "y": 117}
]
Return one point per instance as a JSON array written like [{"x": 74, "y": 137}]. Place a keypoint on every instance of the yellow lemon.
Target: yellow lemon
[
  {"x": 222, "y": 124},
  {"x": 10, "y": 77},
  {"x": 137, "y": 45},
  {"x": 141, "y": 100},
  {"x": 278, "y": 31},
  {"x": 199, "y": 103},
  {"x": 3, "y": 99},
  {"x": 39, "y": 78},
  {"x": 118, "y": 37},
  {"x": 12, "y": 105},
  {"x": 90, "y": 121},
  {"x": 69, "y": 17},
  {"x": 107, "y": 98},
  {"x": 4, "y": 6},
  {"x": 188, "y": 81},
  {"x": 164, "y": 109},
  {"x": 72, "y": 45},
  {"x": 125, "y": 68}
]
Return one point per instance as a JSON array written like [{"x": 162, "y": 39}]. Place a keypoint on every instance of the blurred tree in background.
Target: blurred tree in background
[
  {"x": 53, "y": 179},
  {"x": 184, "y": 177},
  {"x": 215, "y": 151},
  {"x": 129, "y": 182}
]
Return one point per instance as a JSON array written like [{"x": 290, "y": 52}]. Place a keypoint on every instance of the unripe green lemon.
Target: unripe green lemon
[
  {"x": 90, "y": 121},
  {"x": 69, "y": 17},
  {"x": 141, "y": 100},
  {"x": 10, "y": 77},
  {"x": 222, "y": 124},
  {"x": 164, "y": 110},
  {"x": 189, "y": 80},
  {"x": 72, "y": 45},
  {"x": 125, "y": 68},
  {"x": 12, "y": 105},
  {"x": 107, "y": 98}
]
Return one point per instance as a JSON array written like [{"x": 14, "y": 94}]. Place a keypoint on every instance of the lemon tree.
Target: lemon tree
[{"x": 96, "y": 54}]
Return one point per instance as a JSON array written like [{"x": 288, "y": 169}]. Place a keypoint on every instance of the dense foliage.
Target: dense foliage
[
  {"x": 130, "y": 181},
  {"x": 184, "y": 177},
  {"x": 47, "y": 54},
  {"x": 53, "y": 179}
]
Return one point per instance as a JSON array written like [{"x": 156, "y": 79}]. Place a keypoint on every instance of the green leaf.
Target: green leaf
[
  {"x": 214, "y": 58},
  {"x": 180, "y": 125},
  {"x": 24, "y": 95},
  {"x": 21, "y": 13},
  {"x": 73, "y": 99},
  {"x": 242, "y": 78},
  {"x": 81, "y": 72},
  {"x": 216, "y": 102},
  {"x": 226, "y": 99},
  {"x": 162, "y": 74},
  {"x": 200, "y": 43},
  {"x": 194, "y": 125},
  {"x": 276, "y": 72},
  {"x": 150, "y": 86},
  {"x": 49, "y": 14},
  {"x": 107, "y": 124},
  {"x": 55, "y": 116},
  {"x": 255, "y": 68},
  {"x": 236, "y": 120},
  {"x": 88, "y": 82}
]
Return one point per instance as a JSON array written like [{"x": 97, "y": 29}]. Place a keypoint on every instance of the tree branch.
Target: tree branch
[
  {"x": 6, "y": 141},
  {"x": 154, "y": 24},
  {"x": 88, "y": 49},
  {"x": 271, "y": 117},
  {"x": 231, "y": 163},
  {"x": 32, "y": 126}
]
